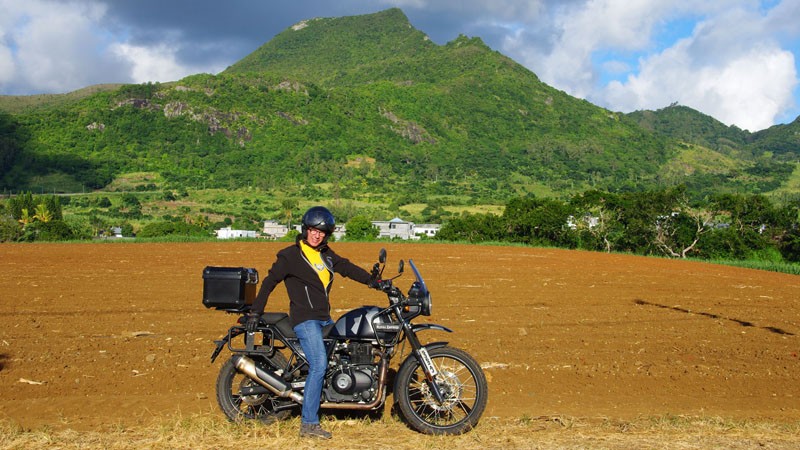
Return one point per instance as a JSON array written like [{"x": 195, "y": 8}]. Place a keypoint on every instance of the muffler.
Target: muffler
[{"x": 266, "y": 378}]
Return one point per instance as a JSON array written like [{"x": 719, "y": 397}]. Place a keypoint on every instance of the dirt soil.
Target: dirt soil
[{"x": 96, "y": 336}]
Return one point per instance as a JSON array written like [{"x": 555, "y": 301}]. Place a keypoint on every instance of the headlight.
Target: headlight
[
  {"x": 426, "y": 305},
  {"x": 419, "y": 301}
]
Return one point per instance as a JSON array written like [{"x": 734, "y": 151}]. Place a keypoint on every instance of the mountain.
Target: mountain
[
  {"x": 688, "y": 125},
  {"x": 368, "y": 106},
  {"x": 713, "y": 153}
]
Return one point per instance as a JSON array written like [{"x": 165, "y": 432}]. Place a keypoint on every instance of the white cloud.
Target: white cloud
[
  {"x": 53, "y": 46},
  {"x": 584, "y": 27},
  {"x": 480, "y": 10},
  {"x": 616, "y": 67},
  {"x": 730, "y": 66},
  {"x": 748, "y": 91},
  {"x": 727, "y": 69},
  {"x": 7, "y": 69},
  {"x": 158, "y": 63}
]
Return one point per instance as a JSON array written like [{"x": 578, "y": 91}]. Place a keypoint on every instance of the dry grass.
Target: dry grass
[{"x": 213, "y": 432}]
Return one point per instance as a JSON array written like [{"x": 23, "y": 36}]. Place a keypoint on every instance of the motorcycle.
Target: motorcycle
[{"x": 438, "y": 389}]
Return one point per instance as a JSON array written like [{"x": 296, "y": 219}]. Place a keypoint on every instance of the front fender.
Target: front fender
[
  {"x": 429, "y": 326},
  {"x": 433, "y": 345}
]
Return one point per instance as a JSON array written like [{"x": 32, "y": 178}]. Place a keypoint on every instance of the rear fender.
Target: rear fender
[{"x": 220, "y": 345}]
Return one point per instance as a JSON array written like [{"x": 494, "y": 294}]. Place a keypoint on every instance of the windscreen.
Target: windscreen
[{"x": 419, "y": 277}]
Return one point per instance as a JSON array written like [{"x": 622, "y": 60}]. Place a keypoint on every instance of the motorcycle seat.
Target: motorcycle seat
[{"x": 280, "y": 321}]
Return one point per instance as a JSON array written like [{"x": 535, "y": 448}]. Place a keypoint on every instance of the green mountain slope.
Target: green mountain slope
[
  {"x": 356, "y": 106},
  {"x": 781, "y": 140},
  {"x": 687, "y": 125},
  {"x": 343, "y": 51},
  {"x": 711, "y": 153}
]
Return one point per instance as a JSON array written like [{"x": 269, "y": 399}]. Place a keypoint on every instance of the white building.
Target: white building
[
  {"x": 339, "y": 231},
  {"x": 588, "y": 220},
  {"x": 401, "y": 229},
  {"x": 394, "y": 229},
  {"x": 274, "y": 230},
  {"x": 228, "y": 233},
  {"x": 427, "y": 229}
]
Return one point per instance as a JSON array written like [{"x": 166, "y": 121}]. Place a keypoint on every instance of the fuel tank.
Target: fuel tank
[{"x": 365, "y": 323}]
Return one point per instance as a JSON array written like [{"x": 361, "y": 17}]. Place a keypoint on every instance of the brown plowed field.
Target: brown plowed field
[{"x": 104, "y": 335}]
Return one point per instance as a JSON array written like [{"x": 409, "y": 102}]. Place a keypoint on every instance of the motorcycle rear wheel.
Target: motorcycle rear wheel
[
  {"x": 461, "y": 382},
  {"x": 238, "y": 407}
]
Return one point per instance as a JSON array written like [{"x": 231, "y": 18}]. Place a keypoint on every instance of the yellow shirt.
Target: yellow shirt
[{"x": 315, "y": 258}]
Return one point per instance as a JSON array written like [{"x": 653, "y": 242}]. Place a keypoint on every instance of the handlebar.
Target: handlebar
[
  {"x": 418, "y": 295},
  {"x": 385, "y": 285}
]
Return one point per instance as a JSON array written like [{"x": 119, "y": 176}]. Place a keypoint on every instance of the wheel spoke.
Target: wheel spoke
[
  {"x": 256, "y": 404},
  {"x": 457, "y": 386}
]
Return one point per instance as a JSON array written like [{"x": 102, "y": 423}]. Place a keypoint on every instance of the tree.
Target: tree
[
  {"x": 360, "y": 227},
  {"x": 42, "y": 213},
  {"x": 287, "y": 206},
  {"x": 642, "y": 214},
  {"x": 21, "y": 202},
  {"x": 24, "y": 218},
  {"x": 9, "y": 228},
  {"x": 747, "y": 224},
  {"x": 54, "y": 230},
  {"x": 597, "y": 224},
  {"x": 168, "y": 228},
  {"x": 130, "y": 200},
  {"x": 790, "y": 246},
  {"x": 678, "y": 233},
  {"x": 53, "y": 204},
  {"x": 126, "y": 229},
  {"x": 473, "y": 228},
  {"x": 539, "y": 221}
]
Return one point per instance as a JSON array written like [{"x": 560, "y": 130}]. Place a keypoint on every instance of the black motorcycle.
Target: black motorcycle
[{"x": 438, "y": 389}]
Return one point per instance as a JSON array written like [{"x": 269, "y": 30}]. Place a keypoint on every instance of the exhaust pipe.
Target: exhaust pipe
[
  {"x": 266, "y": 378},
  {"x": 277, "y": 386}
]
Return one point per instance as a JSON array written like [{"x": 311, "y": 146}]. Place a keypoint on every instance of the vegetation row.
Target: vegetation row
[{"x": 657, "y": 223}]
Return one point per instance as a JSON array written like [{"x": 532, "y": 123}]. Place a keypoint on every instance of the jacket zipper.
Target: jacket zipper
[{"x": 308, "y": 297}]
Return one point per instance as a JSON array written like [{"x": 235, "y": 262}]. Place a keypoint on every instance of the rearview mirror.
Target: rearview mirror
[{"x": 382, "y": 256}]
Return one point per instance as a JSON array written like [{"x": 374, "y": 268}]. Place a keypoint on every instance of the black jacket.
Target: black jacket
[{"x": 308, "y": 298}]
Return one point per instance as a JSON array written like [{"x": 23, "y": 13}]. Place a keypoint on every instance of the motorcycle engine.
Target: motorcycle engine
[{"x": 355, "y": 377}]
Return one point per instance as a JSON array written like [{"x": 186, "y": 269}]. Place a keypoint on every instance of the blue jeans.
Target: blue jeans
[{"x": 310, "y": 335}]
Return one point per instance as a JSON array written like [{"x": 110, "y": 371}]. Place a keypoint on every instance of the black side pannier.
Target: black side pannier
[{"x": 229, "y": 288}]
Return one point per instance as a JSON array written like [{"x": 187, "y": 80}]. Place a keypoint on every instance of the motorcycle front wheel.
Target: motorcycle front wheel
[
  {"x": 462, "y": 385},
  {"x": 238, "y": 406}
]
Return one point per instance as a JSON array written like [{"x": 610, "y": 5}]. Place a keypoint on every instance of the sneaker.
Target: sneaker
[{"x": 314, "y": 430}]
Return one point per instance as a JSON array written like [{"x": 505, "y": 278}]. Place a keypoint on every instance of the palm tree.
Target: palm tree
[
  {"x": 288, "y": 205},
  {"x": 25, "y": 218},
  {"x": 42, "y": 213}
]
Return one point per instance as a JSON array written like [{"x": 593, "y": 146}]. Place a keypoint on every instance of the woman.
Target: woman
[{"x": 307, "y": 270}]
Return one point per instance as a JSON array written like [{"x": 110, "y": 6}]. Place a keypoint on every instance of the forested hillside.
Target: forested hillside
[{"x": 361, "y": 105}]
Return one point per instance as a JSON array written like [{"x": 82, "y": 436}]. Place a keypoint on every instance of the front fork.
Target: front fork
[{"x": 428, "y": 367}]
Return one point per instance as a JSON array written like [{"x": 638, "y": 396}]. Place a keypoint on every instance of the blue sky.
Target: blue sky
[{"x": 736, "y": 60}]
